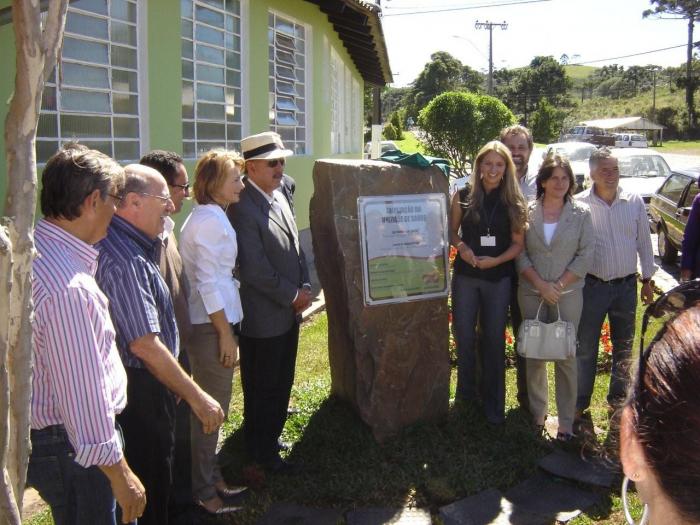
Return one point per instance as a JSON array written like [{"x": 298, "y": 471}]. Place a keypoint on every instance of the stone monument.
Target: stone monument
[{"x": 390, "y": 361}]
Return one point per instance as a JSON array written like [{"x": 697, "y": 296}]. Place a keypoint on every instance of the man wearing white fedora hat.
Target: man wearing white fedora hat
[{"x": 275, "y": 290}]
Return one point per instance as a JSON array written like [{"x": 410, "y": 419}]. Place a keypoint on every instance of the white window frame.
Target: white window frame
[
  {"x": 141, "y": 68},
  {"x": 201, "y": 145},
  {"x": 308, "y": 60}
]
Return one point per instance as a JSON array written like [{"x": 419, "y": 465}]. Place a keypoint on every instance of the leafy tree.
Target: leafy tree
[
  {"x": 472, "y": 80},
  {"x": 545, "y": 78},
  {"x": 457, "y": 124},
  {"x": 396, "y": 120},
  {"x": 689, "y": 9},
  {"x": 442, "y": 73},
  {"x": 389, "y": 132},
  {"x": 546, "y": 122}
]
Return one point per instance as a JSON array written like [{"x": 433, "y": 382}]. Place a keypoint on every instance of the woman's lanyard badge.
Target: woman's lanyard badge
[{"x": 488, "y": 240}]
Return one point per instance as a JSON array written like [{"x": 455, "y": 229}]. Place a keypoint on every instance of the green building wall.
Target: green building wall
[{"x": 163, "y": 86}]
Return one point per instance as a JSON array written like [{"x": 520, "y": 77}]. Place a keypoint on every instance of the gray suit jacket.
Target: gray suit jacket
[
  {"x": 572, "y": 246},
  {"x": 271, "y": 264}
]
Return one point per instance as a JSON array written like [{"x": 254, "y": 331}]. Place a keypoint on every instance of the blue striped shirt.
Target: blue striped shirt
[
  {"x": 79, "y": 381},
  {"x": 139, "y": 300}
]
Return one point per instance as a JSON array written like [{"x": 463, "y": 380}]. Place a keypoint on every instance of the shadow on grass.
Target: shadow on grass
[{"x": 427, "y": 465}]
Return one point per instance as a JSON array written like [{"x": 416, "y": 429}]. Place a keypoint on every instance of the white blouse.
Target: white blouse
[
  {"x": 208, "y": 249},
  {"x": 549, "y": 229}
]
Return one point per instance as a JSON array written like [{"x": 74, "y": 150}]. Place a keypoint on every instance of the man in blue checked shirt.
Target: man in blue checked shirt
[{"x": 147, "y": 338}]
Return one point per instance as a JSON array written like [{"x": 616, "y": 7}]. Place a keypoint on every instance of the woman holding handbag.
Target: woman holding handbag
[
  {"x": 559, "y": 246},
  {"x": 487, "y": 221}
]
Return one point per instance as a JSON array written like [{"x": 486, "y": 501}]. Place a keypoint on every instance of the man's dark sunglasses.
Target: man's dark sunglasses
[
  {"x": 671, "y": 303},
  {"x": 273, "y": 163}
]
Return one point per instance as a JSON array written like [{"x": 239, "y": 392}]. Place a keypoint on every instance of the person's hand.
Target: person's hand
[
  {"x": 208, "y": 411},
  {"x": 467, "y": 255},
  {"x": 131, "y": 496},
  {"x": 127, "y": 489},
  {"x": 484, "y": 262},
  {"x": 303, "y": 300},
  {"x": 550, "y": 292},
  {"x": 228, "y": 350},
  {"x": 647, "y": 293}
]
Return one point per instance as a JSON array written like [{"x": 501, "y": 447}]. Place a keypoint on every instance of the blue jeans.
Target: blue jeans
[
  {"x": 76, "y": 495},
  {"x": 489, "y": 300},
  {"x": 619, "y": 302}
]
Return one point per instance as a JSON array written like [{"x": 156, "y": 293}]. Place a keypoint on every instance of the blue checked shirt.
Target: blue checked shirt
[{"x": 139, "y": 300}]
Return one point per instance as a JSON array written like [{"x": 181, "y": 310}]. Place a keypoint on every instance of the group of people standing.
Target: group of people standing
[
  {"x": 122, "y": 314},
  {"x": 527, "y": 245}
]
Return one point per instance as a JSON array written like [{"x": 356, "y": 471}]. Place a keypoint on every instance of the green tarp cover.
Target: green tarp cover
[{"x": 416, "y": 160}]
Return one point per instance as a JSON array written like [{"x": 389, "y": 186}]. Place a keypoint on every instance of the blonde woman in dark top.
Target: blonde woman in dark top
[{"x": 487, "y": 225}]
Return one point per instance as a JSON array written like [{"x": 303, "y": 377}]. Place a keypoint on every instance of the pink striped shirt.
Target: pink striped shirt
[{"x": 79, "y": 380}]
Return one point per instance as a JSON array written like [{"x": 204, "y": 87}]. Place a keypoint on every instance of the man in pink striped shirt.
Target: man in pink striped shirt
[{"x": 77, "y": 463}]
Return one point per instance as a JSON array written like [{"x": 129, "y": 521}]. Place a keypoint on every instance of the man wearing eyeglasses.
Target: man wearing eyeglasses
[
  {"x": 77, "y": 462},
  {"x": 147, "y": 337},
  {"x": 275, "y": 290},
  {"x": 170, "y": 165}
]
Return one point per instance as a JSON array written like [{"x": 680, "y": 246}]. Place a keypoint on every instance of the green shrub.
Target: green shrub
[
  {"x": 389, "y": 132},
  {"x": 458, "y": 123}
]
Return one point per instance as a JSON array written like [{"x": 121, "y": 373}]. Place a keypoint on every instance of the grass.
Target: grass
[
  {"x": 410, "y": 143},
  {"x": 685, "y": 147},
  {"x": 426, "y": 465}
]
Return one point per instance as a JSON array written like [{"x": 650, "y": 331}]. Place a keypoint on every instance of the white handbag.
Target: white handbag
[{"x": 547, "y": 341}]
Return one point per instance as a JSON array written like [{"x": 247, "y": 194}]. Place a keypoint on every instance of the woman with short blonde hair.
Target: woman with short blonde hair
[{"x": 208, "y": 248}]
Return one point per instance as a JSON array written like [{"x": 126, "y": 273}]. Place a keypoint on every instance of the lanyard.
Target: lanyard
[{"x": 488, "y": 223}]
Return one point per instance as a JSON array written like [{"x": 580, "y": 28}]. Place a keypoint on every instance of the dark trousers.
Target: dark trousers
[
  {"x": 267, "y": 374},
  {"x": 148, "y": 422},
  {"x": 516, "y": 319},
  {"x": 618, "y": 301},
  {"x": 474, "y": 298},
  {"x": 76, "y": 495},
  {"x": 181, "y": 490}
]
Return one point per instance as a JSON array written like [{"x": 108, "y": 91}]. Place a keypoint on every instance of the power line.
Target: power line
[
  {"x": 501, "y": 4},
  {"x": 632, "y": 55}
]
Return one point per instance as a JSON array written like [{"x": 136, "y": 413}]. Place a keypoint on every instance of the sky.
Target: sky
[{"x": 592, "y": 29}]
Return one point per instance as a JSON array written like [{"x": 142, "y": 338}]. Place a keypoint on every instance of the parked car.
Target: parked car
[
  {"x": 642, "y": 171},
  {"x": 578, "y": 154},
  {"x": 630, "y": 140},
  {"x": 597, "y": 136},
  {"x": 385, "y": 145},
  {"x": 669, "y": 209}
]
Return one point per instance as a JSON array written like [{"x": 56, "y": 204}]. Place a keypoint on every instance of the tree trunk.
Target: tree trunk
[
  {"x": 689, "y": 82},
  {"x": 36, "y": 54}
]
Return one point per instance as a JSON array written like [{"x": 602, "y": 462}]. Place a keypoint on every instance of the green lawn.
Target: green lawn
[
  {"x": 685, "y": 147},
  {"x": 426, "y": 465},
  {"x": 410, "y": 144}
]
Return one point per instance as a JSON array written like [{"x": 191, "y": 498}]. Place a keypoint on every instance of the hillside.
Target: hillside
[{"x": 578, "y": 74}]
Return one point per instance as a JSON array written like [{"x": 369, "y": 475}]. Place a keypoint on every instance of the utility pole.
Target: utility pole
[{"x": 490, "y": 25}]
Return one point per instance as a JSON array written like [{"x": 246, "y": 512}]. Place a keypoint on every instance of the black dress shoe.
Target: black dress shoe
[{"x": 281, "y": 466}]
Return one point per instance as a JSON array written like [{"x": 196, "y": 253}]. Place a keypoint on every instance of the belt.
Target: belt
[{"x": 618, "y": 280}]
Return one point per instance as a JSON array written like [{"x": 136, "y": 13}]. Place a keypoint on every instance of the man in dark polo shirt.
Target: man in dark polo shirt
[{"x": 147, "y": 338}]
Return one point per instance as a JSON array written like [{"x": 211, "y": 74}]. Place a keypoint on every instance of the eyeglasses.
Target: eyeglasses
[
  {"x": 184, "y": 187},
  {"x": 670, "y": 303},
  {"x": 163, "y": 198},
  {"x": 273, "y": 163},
  {"x": 117, "y": 198}
]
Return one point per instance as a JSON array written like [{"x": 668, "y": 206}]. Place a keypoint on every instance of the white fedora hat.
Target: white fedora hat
[{"x": 266, "y": 145}]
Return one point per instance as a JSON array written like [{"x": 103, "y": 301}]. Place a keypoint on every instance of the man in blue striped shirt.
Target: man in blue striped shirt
[
  {"x": 147, "y": 336},
  {"x": 79, "y": 386}
]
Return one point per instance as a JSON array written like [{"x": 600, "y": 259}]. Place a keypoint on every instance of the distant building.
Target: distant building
[{"x": 189, "y": 75}]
